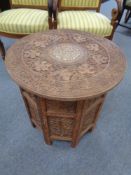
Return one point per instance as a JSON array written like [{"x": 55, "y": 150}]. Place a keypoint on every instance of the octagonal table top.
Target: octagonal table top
[{"x": 65, "y": 64}]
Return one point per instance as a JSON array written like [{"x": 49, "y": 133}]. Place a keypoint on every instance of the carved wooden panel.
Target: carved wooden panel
[
  {"x": 62, "y": 117},
  {"x": 62, "y": 127}
]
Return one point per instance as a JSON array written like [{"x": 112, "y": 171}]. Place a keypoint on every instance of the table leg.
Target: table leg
[
  {"x": 27, "y": 107},
  {"x": 89, "y": 115},
  {"x": 42, "y": 109},
  {"x": 98, "y": 112},
  {"x": 79, "y": 110}
]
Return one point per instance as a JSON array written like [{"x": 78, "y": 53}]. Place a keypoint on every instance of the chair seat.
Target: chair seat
[
  {"x": 87, "y": 21},
  {"x": 23, "y": 21}
]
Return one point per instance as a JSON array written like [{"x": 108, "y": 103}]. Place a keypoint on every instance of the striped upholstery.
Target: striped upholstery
[
  {"x": 128, "y": 3},
  {"x": 80, "y": 3},
  {"x": 30, "y": 2},
  {"x": 23, "y": 21},
  {"x": 85, "y": 21}
]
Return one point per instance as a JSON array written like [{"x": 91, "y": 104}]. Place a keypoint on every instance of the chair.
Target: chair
[
  {"x": 25, "y": 17},
  {"x": 126, "y": 6},
  {"x": 73, "y": 14}
]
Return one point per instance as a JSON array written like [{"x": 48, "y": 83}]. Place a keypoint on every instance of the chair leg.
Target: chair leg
[
  {"x": 128, "y": 15},
  {"x": 119, "y": 18},
  {"x": 2, "y": 50}
]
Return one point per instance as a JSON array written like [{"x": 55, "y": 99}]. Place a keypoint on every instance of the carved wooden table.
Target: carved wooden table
[{"x": 64, "y": 76}]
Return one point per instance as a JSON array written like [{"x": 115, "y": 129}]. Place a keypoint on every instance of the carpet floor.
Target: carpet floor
[{"x": 105, "y": 151}]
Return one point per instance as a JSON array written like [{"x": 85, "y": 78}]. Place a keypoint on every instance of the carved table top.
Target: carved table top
[{"x": 65, "y": 64}]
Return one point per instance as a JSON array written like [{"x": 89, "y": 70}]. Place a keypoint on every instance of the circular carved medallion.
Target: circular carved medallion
[
  {"x": 66, "y": 52},
  {"x": 65, "y": 64}
]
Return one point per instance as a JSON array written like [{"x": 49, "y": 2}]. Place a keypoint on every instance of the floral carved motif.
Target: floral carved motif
[{"x": 60, "y": 59}]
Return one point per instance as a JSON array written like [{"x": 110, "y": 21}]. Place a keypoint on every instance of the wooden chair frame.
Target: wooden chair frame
[
  {"x": 115, "y": 13},
  {"x": 128, "y": 14},
  {"x": 48, "y": 7}
]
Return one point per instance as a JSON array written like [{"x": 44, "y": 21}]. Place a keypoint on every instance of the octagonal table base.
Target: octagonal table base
[{"x": 62, "y": 120}]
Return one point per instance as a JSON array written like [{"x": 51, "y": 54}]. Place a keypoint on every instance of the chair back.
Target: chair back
[
  {"x": 37, "y": 4},
  {"x": 79, "y": 5}
]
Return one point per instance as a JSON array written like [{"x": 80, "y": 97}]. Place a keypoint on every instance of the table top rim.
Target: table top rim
[{"x": 59, "y": 96}]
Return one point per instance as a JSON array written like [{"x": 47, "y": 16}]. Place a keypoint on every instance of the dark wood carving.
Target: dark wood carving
[{"x": 64, "y": 76}]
